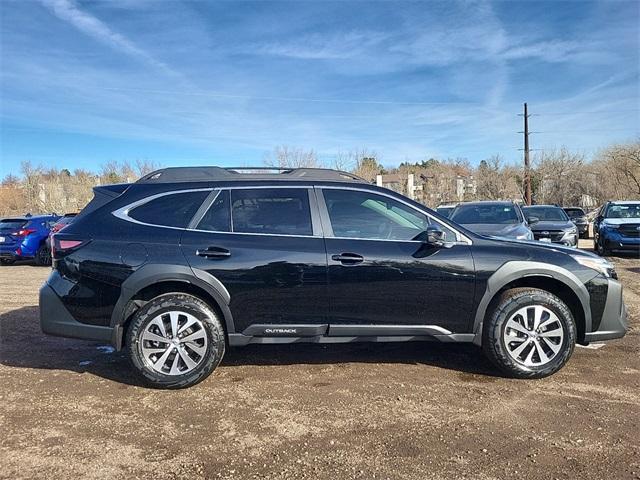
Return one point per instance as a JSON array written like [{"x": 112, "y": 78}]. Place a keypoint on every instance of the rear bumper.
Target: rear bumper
[
  {"x": 56, "y": 320},
  {"x": 614, "y": 317}
]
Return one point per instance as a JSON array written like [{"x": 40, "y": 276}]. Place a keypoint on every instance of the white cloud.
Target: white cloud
[{"x": 88, "y": 24}]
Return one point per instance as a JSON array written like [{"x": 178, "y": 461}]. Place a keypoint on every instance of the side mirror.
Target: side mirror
[
  {"x": 433, "y": 236},
  {"x": 532, "y": 220}
]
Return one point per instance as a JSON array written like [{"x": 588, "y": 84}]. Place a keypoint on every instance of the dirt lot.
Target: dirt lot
[{"x": 72, "y": 409}]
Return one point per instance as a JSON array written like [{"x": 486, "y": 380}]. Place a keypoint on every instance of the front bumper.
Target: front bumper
[
  {"x": 614, "y": 317},
  {"x": 56, "y": 320}
]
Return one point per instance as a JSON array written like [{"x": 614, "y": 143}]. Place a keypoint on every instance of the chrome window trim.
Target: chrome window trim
[
  {"x": 123, "y": 212},
  {"x": 460, "y": 237}
]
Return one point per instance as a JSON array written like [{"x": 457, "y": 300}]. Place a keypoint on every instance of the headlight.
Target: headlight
[
  {"x": 573, "y": 230},
  {"x": 610, "y": 225},
  {"x": 524, "y": 236},
  {"x": 598, "y": 264}
]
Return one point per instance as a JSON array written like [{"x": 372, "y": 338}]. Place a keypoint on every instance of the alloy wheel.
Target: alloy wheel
[
  {"x": 533, "y": 336},
  {"x": 174, "y": 343}
]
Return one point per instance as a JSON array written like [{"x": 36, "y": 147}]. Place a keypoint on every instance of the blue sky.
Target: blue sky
[{"x": 203, "y": 82}]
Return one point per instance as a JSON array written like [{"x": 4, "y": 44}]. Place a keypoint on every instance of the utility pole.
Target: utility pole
[{"x": 527, "y": 167}]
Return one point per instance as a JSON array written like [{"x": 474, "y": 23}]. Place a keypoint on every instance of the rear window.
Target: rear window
[
  {"x": 172, "y": 210},
  {"x": 9, "y": 224},
  {"x": 283, "y": 211}
]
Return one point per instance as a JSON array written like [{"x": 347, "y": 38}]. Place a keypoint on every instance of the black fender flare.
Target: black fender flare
[
  {"x": 151, "y": 274},
  {"x": 516, "y": 270}
]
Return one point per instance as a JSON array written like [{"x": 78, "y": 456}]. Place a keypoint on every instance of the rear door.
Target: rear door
[
  {"x": 265, "y": 245},
  {"x": 381, "y": 281}
]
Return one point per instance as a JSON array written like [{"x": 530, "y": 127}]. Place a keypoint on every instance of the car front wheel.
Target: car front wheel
[
  {"x": 600, "y": 248},
  {"x": 530, "y": 333},
  {"x": 175, "y": 341}
]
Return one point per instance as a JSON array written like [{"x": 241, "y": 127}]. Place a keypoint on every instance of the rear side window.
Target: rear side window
[
  {"x": 218, "y": 217},
  {"x": 283, "y": 211},
  {"x": 172, "y": 210}
]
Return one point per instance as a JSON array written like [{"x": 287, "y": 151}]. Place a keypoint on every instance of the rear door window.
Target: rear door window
[
  {"x": 218, "y": 216},
  {"x": 171, "y": 210},
  {"x": 281, "y": 211}
]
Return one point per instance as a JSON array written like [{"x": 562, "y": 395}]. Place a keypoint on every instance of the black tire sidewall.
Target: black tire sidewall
[
  {"x": 43, "y": 259},
  {"x": 509, "y": 304},
  {"x": 188, "y": 304}
]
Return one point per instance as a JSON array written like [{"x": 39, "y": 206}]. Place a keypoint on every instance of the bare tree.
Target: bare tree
[
  {"x": 497, "y": 181},
  {"x": 292, "y": 157},
  {"x": 560, "y": 177},
  {"x": 621, "y": 164}
]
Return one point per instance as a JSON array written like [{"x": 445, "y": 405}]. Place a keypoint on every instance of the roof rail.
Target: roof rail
[{"x": 224, "y": 174}]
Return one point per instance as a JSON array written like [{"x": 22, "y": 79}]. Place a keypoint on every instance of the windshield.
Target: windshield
[
  {"x": 486, "y": 214},
  {"x": 574, "y": 212},
  {"x": 445, "y": 211},
  {"x": 631, "y": 210},
  {"x": 553, "y": 214}
]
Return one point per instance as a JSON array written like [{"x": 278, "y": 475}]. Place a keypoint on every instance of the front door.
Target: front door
[
  {"x": 380, "y": 279},
  {"x": 263, "y": 246}
]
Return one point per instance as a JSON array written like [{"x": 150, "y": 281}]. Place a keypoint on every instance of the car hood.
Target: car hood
[
  {"x": 621, "y": 221},
  {"x": 550, "y": 246},
  {"x": 551, "y": 225},
  {"x": 496, "y": 229}
]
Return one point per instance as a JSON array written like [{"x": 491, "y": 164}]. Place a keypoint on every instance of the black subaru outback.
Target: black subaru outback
[{"x": 186, "y": 262}]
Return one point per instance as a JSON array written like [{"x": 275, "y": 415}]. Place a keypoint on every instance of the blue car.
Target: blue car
[
  {"x": 617, "y": 228},
  {"x": 26, "y": 238}
]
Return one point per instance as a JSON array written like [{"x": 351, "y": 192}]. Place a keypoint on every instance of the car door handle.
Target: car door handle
[
  {"x": 348, "y": 258},
  {"x": 214, "y": 252}
]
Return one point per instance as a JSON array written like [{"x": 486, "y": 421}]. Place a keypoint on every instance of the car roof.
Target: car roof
[
  {"x": 244, "y": 174},
  {"x": 624, "y": 202},
  {"x": 488, "y": 202},
  {"x": 547, "y": 206}
]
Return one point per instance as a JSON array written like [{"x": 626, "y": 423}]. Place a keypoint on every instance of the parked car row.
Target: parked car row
[
  {"x": 616, "y": 224},
  {"x": 546, "y": 223},
  {"x": 28, "y": 237}
]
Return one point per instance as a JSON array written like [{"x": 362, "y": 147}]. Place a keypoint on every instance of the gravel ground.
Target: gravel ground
[{"x": 72, "y": 409}]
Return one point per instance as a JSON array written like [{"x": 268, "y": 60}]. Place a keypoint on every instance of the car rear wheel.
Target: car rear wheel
[
  {"x": 529, "y": 334},
  {"x": 43, "y": 256},
  {"x": 175, "y": 341}
]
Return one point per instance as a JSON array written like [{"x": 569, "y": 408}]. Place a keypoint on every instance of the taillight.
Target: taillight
[
  {"x": 69, "y": 244},
  {"x": 61, "y": 245},
  {"x": 25, "y": 231}
]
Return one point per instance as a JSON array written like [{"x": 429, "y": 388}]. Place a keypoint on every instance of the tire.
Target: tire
[
  {"x": 43, "y": 256},
  {"x": 600, "y": 248},
  {"x": 506, "y": 344},
  {"x": 172, "y": 363},
  {"x": 7, "y": 261}
]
